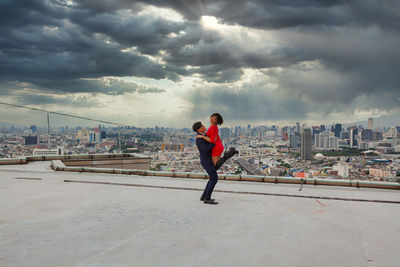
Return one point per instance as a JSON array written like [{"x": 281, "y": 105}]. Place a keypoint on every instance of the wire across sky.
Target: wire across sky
[{"x": 63, "y": 114}]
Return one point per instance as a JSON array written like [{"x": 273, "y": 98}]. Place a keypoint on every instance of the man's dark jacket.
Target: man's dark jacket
[{"x": 205, "y": 150}]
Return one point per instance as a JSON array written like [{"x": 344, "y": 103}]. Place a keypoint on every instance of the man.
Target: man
[{"x": 206, "y": 161}]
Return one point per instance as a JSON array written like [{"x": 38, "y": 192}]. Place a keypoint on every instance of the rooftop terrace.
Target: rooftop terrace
[{"x": 98, "y": 219}]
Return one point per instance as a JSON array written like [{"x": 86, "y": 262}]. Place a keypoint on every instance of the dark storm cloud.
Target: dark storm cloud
[
  {"x": 246, "y": 103},
  {"x": 34, "y": 99},
  {"x": 54, "y": 54},
  {"x": 67, "y": 46},
  {"x": 196, "y": 47},
  {"x": 19, "y": 13},
  {"x": 272, "y": 13},
  {"x": 212, "y": 73},
  {"x": 149, "y": 34},
  {"x": 105, "y": 86},
  {"x": 295, "y": 93},
  {"x": 283, "y": 14}
]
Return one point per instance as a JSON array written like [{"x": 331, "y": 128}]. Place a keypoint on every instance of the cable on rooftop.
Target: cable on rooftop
[{"x": 62, "y": 114}]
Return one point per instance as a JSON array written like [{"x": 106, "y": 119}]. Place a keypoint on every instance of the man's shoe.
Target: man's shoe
[
  {"x": 210, "y": 201},
  {"x": 202, "y": 199}
]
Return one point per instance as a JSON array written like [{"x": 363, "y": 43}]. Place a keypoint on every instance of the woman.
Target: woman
[{"x": 213, "y": 137}]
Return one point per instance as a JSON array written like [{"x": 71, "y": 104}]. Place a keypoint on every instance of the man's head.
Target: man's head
[{"x": 198, "y": 127}]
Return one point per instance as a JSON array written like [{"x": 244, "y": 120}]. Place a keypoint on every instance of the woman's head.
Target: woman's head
[{"x": 216, "y": 118}]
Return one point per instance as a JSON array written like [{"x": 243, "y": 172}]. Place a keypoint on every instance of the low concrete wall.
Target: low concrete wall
[
  {"x": 248, "y": 178},
  {"x": 123, "y": 160},
  {"x": 121, "y": 163},
  {"x": 13, "y": 161}
]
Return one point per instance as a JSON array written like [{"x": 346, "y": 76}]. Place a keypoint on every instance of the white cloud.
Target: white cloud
[{"x": 159, "y": 12}]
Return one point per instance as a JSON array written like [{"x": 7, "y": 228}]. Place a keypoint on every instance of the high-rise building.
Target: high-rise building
[
  {"x": 344, "y": 135},
  {"x": 97, "y": 134},
  {"x": 366, "y": 135},
  {"x": 305, "y": 144},
  {"x": 33, "y": 128},
  {"x": 248, "y": 131},
  {"x": 378, "y": 135},
  {"x": 337, "y": 129},
  {"x": 316, "y": 140},
  {"x": 322, "y": 140},
  {"x": 92, "y": 137},
  {"x": 237, "y": 131},
  {"x": 322, "y": 128},
  {"x": 294, "y": 141},
  {"x": 285, "y": 136},
  {"x": 326, "y": 140},
  {"x": 31, "y": 140},
  {"x": 333, "y": 142},
  {"x": 370, "y": 124},
  {"x": 225, "y": 133},
  {"x": 84, "y": 135},
  {"x": 315, "y": 130},
  {"x": 353, "y": 136}
]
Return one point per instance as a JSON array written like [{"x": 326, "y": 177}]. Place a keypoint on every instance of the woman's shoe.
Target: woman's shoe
[{"x": 227, "y": 155}]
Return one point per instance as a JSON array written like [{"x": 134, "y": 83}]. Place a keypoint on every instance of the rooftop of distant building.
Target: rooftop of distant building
[{"x": 51, "y": 218}]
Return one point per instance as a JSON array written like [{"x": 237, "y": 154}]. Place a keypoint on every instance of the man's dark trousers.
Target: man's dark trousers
[
  {"x": 212, "y": 173},
  {"x": 205, "y": 149}
]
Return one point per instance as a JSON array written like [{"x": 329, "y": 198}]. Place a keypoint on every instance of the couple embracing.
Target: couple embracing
[{"x": 211, "y": 148}]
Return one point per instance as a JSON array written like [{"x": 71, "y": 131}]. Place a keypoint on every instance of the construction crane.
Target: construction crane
[{"x": 366, "y": 152}]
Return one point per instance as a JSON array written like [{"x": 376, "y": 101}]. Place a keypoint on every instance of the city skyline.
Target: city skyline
[
  {"x": 170, "y": 64},
  {"x": 55, "y": 122}
]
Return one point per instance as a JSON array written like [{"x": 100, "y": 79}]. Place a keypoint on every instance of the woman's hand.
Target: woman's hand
[{"x": 199, "y": 136}]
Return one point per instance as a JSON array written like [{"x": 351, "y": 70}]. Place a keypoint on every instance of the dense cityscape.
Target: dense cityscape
[
  {"x": 102, "y": 104},
  {"x": 324, "y": 151}
]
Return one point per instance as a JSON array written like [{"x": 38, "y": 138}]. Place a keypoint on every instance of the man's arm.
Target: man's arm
[
  {"x": 204, "y": 137},
  {"x": 203, "y": 145}
]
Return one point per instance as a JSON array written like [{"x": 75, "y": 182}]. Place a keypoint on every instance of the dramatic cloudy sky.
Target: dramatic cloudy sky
[{"x": 169, "y": 63}]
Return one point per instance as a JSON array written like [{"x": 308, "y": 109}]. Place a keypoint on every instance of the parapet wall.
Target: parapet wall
[
  {"x": 122, "y": 163},
  {"x": 137, "y": 164},
  {"x": 92, "y": 157},
  {"x": 250, "y": 178}
]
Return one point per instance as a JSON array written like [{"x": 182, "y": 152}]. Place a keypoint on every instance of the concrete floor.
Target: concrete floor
[{"x": 49, "y": 222}]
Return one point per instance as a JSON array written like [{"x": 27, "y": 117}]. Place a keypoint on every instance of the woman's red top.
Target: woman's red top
[{"x": 212, "y": 132}]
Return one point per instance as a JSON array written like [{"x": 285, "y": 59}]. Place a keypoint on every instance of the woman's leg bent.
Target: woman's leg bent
[{"x": 215, "y": 159}]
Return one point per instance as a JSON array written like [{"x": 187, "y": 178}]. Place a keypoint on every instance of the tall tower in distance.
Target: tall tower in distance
[
  {"x": 353, "y": 136},
  {"x": 370, "y": 124},
  {"x": 305, "y": 141},
  {"x": 297, "y": 129},
  {"x": 337, "y": 129}
]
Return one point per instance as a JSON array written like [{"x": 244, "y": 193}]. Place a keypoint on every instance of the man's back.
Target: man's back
[{"x": 205, "y": 149}]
